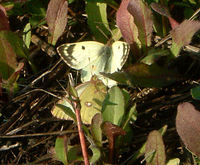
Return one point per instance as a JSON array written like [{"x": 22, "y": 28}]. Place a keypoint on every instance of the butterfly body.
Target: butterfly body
[{"x": 92, "y": 58}]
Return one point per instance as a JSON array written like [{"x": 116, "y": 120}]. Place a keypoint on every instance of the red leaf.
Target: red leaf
[
  {"x": 143, "y": 19},
  {"x": 155, "y": 146},
  {"x": 182, "y": 35},
  {"x": 112, "y": 131},
  {"x": 4, "y": 23},
  {"x": 188, "y": 126},
  {"x": 56, "y": 18},
  {"x": 163, "y": 10},
  {"x": 125, "y": 22}
]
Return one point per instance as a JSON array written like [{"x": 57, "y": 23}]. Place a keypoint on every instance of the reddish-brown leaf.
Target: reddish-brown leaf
[
  {"x": 125, "y": 22},
  {"x": 56, "y": 18},
  {"x": 112, "y": 131},
  {"x": 4, "y": 23},
  {"x": 155, "y": 149},
  {"x": 188, "y": 126},
  {"x": 182, "y": 35},
  {"x": 163, "y": 10},
  {"x": 143, "y": 20}
]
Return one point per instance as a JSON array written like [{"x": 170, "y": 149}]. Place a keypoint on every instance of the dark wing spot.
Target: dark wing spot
[
  {"x": 66, "y": 52},
  {"x": 83, "y": 47}
]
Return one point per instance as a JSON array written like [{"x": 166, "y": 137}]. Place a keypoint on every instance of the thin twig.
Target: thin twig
[{"x": 38, "y": 134}]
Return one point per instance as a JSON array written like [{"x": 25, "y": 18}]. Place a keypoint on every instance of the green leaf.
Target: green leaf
[
  {"x": 155, "y": 143},
  {"x": 195, "y": 92},
  {"x": 74, "y": 154},
  {"x": 144, "y": 75},
  {"x": 96, "y": 129},
  {"x": 154, "y": 55},
  {"x": 97, "y": 20},
  {"x": 96, "y": 154},
  {"x": 8, "y": 51},
  {"x": 132, "y": 115},
  {"x": 61, "y": 149},
  {"x": 63, "y": 110},
  {"x": 15, "y": 43},
  {"x": 27, "y": 35},
  {"x": 114, "y": 106}
]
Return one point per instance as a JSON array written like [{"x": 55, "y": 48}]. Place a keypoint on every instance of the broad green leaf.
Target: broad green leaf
[
  {"x": 8, "y": 62},
  {"x": 155, "y": 143},
  {"x": 144, "y": 75},
  {"x": 16, "y": 44},
  {"x": 129, "y": 30},
  {"x": 56, "y": 19},
  {"x": 126, "y": 97},
  {"x": 74, "y": 154},
  {"x": 143, "y": 19},
  {"x": 132, "y": 115},
  {"x": 154, "y": 55},
  {"x": 120, "y": 77},
  {"x": 96, "y": 154},
  {"x": 195, "y": 92},
  {"x": 61, "y": 149},
  {"x": 27, "y": 35},
  {"x": 182, "y": 35},
  {"x": 188, "y": 126},
  {"x": 114, "y": 106},
  {"x": 151, "y": 75},
  {"x": 97, "y": 20},
  {"x": 96, "y": 129}
]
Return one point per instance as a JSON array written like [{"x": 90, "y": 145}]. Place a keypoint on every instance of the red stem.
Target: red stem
[{"x": 81, "y": 135}]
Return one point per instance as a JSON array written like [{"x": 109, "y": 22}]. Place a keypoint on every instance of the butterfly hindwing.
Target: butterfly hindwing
[
  {"x": 95, "y": 68},
  {"x": 120, "y": 51}
]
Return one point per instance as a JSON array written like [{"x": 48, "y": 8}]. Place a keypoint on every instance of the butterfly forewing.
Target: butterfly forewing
[{"x": 79, "y": 55}]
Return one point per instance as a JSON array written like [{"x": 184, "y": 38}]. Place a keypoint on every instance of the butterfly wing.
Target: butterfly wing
[
  {"x": 120, "y": 52},
  {"x": 79, "y": 55},
  {"x": 97, "y": 66}
]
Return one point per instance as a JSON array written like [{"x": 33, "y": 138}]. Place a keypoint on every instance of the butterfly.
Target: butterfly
[
  {"x": 91, "y": 95},
  {"x": 93, "y": 57}
]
